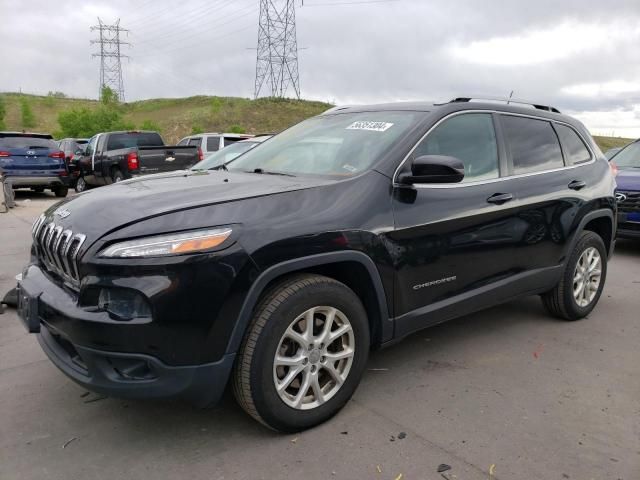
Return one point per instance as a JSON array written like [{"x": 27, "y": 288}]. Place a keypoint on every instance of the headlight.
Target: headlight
[{"x": 171, "y": 244}]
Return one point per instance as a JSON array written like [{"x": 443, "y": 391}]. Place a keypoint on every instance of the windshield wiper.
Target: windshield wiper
[{"x": 267, "y": 172}]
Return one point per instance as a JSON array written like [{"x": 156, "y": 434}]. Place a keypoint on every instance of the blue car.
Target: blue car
[
  {"x": 627, "y": 162},
  {"x": 33, "y": 160}
]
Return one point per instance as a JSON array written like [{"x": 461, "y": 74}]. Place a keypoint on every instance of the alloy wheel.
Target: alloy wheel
[
  {"x": 586, "y": 277},
  {"x": 313, "y": 358}
]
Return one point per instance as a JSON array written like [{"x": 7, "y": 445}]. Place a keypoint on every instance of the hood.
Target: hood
[
  {"x": 97, "y": 212},
  {"x": 628, "y": 179}
]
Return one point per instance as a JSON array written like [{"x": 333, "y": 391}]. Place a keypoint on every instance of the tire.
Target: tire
[
  {"x": 81, "y": 185},
  {"x": 38, "y": 189},
  {"x": 117, "y": 176},
  {"x": 561, "y": 302},
  {"x": 61, "y": 191},
  {"x": 280, "y": 310}
]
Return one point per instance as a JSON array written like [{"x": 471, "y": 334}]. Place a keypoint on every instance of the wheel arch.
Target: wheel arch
[
  {"x": 354, "y": 269},
  {"x": 599, "y": 221}
]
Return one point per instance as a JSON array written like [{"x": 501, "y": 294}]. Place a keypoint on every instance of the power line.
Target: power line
[
  {"x": 277, "y": 52},
  {"x": 110, "y": 57}
]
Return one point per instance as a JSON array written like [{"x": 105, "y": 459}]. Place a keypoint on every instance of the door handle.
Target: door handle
[
  {"x": 577, "y": 185},
  {"x": 500, "y": 198}
]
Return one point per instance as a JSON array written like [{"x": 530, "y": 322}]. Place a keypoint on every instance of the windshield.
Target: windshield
[
  {"x": 337, "y": 145},
  {"x": 628, "y": 157},
  {"x": 223, "y": 156}
]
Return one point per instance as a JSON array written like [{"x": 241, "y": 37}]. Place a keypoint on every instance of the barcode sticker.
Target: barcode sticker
[{"x": 372, "y": 126}]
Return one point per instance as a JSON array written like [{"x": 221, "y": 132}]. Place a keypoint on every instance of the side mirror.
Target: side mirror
[{"x": 434, "y": 169}]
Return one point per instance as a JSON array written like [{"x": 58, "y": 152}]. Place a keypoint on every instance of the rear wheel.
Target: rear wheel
[
  {"x": 303, "y": 355},
  {"x": 582, "y": 280},
  {"x": 81, "y": 184},
  {"x": 117, "y": 176},
  {"x": 61, "y": 191}
]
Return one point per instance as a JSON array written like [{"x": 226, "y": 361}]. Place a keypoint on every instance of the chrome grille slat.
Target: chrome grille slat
[
  {"x": 631, "y": 204},
  {"x": 58, "y": 249}
]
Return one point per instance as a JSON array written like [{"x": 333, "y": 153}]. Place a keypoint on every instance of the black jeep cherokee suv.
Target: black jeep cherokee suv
[{"x": 344, "y": 233}]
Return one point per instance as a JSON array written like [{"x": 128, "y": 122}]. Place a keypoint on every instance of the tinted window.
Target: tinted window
[
  {"x": 27, "y": 142},
  {"x": 230, "y": 140},
  {"x": 91, "y": 146},
  {"x": 533, "y": 144},
  {"x": 470, "y": 138},
  {"x": 195, "y": 141},
  {"x": 213, "y": 144},
  {"x": 133, "y": 139},
  {"x": 183, "y": 141},
  {"x": 574, "y": 148}
]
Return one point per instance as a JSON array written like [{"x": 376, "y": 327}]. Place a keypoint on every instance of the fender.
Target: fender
[
  {"x": 603, "y": 212},
  {"x": 244, "y": 317}
]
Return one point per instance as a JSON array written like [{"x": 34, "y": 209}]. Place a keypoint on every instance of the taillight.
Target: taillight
[
  {"x": 57, "y": 155},
  {"x": 132, "y": 161},
  {"x": 614, "y": 168},
  {"x": 4, "y": 154},
  {"x": 63, "y": 173},
  {"x": 200, "y": 154}
]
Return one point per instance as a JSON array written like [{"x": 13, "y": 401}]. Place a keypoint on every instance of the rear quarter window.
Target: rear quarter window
[
  {"x": 533, "y": 144},
  {"x": 574, "y": 148}
]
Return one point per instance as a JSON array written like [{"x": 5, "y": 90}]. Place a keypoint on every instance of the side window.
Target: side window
[
  {"x": 229, "y": 140},
  {"x": 183, "y": 141},
  {"x": 574, "y": 148},
  {"x": 213, "y": 144},
  {"x": 195, "y": 141},
  {"x": 469, "y": 137},
  {"x": 91, "y": 146},
  {"x": 533, "y": 144}
]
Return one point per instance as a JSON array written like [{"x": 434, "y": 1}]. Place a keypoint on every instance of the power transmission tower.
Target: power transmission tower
[
  {"x": 110, "y": 56},
  {"x": 277, "y": 56}
]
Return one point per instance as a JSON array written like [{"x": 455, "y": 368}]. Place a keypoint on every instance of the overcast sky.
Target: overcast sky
[{"x": 581, "y": 56}]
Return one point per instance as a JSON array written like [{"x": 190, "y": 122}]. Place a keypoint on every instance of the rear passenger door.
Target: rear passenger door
[{"x": 549, "y": 186}]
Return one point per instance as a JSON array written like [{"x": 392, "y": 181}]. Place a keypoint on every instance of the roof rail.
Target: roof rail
[{"x": 507, "y": 101}]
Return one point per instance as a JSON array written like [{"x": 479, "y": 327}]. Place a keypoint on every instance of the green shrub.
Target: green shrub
[
  {"x": 150, "y": 125},
  {"x": 28, "y": 118},
  {"x": 236, "y": 129},
  {"x": 195, "y": 130},
  {"x": 3, "y": 111}
]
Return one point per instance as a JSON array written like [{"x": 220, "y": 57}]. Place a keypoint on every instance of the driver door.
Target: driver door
[{"x": 454, "y": 244}]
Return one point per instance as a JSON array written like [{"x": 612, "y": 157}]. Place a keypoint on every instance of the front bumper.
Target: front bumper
[
  {"x": 51, "y": 311},
  {"x": 135, "y": 375},
  {"x": 628, "y": 228}
]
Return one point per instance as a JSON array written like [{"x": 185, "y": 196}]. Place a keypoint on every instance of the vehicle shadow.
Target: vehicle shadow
[
  {"x": 627, "y": 246},
  {"x": 227, "y": 420}
]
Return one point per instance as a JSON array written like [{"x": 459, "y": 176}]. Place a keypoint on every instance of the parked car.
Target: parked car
[
  {"x": 114, "y": 156},
  {"x": 346, "y": 232},
  {"x": 611, "y": 152},
  {"x": 70, "y": 146},
  {"x": 224, "y": 156},
  {"x": 627, "y": 163},
  {"x": 212, "y": 142},
  {"x": 33, "y": 160}
]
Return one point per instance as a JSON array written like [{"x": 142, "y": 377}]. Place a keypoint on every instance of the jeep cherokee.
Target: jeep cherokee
[{"x": 279, "y": 271}]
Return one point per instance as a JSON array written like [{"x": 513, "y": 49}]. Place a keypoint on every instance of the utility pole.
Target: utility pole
[
  {"x": 277, "y": 52},
  {"x": 110, "y": 56}
]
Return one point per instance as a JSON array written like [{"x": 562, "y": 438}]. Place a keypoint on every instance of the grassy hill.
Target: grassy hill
[{"x": 177, "y": 117}]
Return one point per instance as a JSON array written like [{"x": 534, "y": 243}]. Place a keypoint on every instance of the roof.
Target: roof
[
  {"x": 230, "y": 135},
  {"x": 26, "y": 134}
]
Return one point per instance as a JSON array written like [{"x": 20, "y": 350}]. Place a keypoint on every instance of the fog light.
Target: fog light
[{"x": 123, "y": 303}]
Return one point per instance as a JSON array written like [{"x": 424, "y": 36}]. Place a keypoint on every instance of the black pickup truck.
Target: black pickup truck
[{"x": 115, "y": 156}]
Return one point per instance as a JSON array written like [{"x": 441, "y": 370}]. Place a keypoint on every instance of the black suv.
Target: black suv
[{"x": 282, "y": 269}]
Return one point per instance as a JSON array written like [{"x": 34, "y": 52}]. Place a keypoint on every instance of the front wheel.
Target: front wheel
[
  {"x": 304, "y": 353},
  {"x": 579, "y": 290}
]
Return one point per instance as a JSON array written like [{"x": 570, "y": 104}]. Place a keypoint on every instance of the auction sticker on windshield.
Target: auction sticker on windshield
[{"x": 373, "y": 126}]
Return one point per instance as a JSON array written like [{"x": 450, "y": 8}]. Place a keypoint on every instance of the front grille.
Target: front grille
[
  {"x": 631, "y": 204},
  {"x": 58, "y": 249}
]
